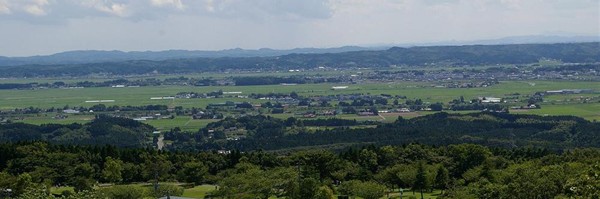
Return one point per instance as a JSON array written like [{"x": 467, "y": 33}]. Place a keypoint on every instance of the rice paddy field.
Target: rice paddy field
[{"x": 583, "y": 105}]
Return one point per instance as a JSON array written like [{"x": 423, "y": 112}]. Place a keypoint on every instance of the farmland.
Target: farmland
[
  {"x": 566, "y": 104},
  {"x": 46, "y": 98}
]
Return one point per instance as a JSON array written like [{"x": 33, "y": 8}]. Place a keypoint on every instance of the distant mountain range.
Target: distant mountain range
[
  {"x": 95, "y": 56},
  {"x": 465, "y": 55},
  {"x": 531, "y": 39}
]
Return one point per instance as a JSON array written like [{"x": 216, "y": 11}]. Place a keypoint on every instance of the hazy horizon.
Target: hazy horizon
[{"x": 42, "y": 27}]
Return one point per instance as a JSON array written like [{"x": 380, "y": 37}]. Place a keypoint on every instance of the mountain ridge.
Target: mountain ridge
[
  {"x": 99, "y": 56},
  {"x": 468, "y": 55}
]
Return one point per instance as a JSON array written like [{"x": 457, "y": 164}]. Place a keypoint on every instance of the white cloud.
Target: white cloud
[
  {"x": 31, "y": 7},
  {"x": 4, "y": 7},
  {"x": 176, "y": 3},
  {"x": 35, "y": 9},
  {"x": 113, "y": 9},
  {"x": 209, "y": 6},
  {"x": 56, "y": 10}
]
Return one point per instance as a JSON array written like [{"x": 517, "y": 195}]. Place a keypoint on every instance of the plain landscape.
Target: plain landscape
[
  {"x": 201, "y": 131},
  {"x": 314, "y": 99}
]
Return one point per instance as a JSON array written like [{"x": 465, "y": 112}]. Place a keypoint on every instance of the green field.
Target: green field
[
  {"x": 141, "y": 95},
  {"x": 590, "y": 111},
  {"x": 553, "y": 105},
  {"x": 48, "y": 118}
]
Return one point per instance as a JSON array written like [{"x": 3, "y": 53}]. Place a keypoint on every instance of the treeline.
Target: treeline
[
  {"x": 110, "y": 83},
  {"x": 17, "y": 86},
  {"x": 415, "y": 56},
  {"x": 460, "y": 171},
  {"x": 328, "y": 122},
  {"x": 103, "y": 130},
  {"x": 95, "y": 108}
]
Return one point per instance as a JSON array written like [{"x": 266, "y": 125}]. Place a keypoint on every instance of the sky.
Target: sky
[{"x": 40, "y": 27}]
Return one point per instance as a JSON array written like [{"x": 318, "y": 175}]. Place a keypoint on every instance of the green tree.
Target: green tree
[
  {"x": 486, "y": 172},
  {"x": 397, "y": 176},
  {"x": 324, "y": 192},
  {"x": 467, "y": 156},
  {"x": 132, "y": 172},
  {"x": 586, "y": 185},
  {"x": 370, "y": 190},
  {"x": 193, "y": 172},
  {"x": 442, "y": 178},
  {"x": 349, "y": 187},
  {"x": 249, "y": 181},
  {"x": 22, "y": 182},
  {"x": 318, "y": 163},
  {"x": 157, "y": 166},
  {"x": 112, "y": 171},
  {"x": 436, "y": 107},
  {"x": 308, "y": 188},
  {"x": 368, "y": 160},
  {"x": 81, "y": 183},
  {"x": 420, "y": 179},
  {"x": 82, "y": 178},
  {"x": 406, "y": 175}
]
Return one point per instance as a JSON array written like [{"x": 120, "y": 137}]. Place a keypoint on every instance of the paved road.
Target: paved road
[{"x": 160, "y": 142}]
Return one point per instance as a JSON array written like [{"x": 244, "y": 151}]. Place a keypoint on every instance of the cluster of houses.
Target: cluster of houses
[{"x": 490, "y": 100}]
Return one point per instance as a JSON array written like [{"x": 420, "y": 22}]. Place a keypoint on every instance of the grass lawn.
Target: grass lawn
[
  {"x": 59, "y": 190},
  {"x": 198, "y": 191}
]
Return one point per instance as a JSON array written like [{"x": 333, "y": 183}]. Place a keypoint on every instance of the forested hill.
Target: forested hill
[
  {"x": 414, "y": 56},
  {"x": 267, "y": 133},
  {"x": 490, "y": 129},
  {"x": 104, "y": 130}
]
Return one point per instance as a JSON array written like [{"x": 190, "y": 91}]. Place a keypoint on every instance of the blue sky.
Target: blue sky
[{"x": 33, "y": 27}]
